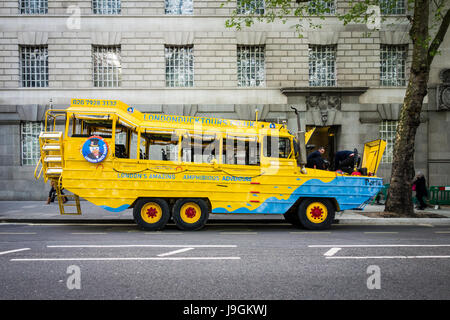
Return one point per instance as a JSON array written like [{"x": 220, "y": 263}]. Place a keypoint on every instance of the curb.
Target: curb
[
  {"x": 345, "y": 221},
  {"x": 395, "y": 221}
]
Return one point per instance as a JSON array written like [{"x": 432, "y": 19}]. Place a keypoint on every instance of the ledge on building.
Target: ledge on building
[{"x": 314, "y": 91}]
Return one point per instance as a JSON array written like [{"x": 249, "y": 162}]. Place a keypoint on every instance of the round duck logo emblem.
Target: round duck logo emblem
[{"x": 95, "y": 149}]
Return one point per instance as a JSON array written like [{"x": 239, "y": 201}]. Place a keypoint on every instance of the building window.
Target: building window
[
  {"x": 34, "y": 66},
  {"x": 250, "y": 7},
  {"x": 107, "y": 69},
  {"x": 33, "y": 6},
  {"x": 106, "y": 6},
  {"x": 179, "y": 66},
  {"x": 392, "y": 7},
  {"x": 322, "y": 66},
  {"x": 388, "y": 129},
  {"x": 30, "y": 142},
  {"x": 392, "y": 65},
  {"x": 251, "y": 66},
  {"x": 322, "y": 7},
  {"x": 179, "y": 6}
]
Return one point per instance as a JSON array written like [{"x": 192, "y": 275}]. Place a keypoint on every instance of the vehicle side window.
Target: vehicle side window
[
  {"x": 83, "y": 126},
  {"x": 200, "y": 148},
  {"x": 159, "y": 146},
  {"x": 241, "y": 150},
  {"x": 277, "y": 147}
]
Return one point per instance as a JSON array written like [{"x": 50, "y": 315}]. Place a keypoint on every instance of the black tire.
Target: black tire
[
  {"x": 159, "y": 208},
  {"x": 181, "y": 212},
  {"x": 321, "y": 213}
]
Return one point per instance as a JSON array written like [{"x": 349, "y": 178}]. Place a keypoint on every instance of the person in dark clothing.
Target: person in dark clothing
[
  {"x": 52, "y": 194},
  {"x": 344, "y": 160},
  {"x": 315, "y": 159},
  {"x": 420, "y": 185}
]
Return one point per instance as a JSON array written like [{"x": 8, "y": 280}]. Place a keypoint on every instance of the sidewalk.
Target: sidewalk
[{"x": 39, "y": 212}]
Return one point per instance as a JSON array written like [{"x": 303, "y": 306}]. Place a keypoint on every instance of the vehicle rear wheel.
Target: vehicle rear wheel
[
  {"x": 151, "y": 213},
  {"x": 316, "y": 213},
  {"x": 190, "y": 214}
]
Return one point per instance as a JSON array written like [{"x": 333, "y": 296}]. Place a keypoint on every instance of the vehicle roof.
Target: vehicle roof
[{"x": 164, "y": 121}]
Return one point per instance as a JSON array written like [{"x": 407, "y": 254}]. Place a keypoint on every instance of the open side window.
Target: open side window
[
  {"x": 156, "y": 145},
  {"x": 126, "y": 140},
  {"x": 200, "y": 148},
  {"x": 242, "y": 150},
  {"x": 86, "y": 125},
  {"x": 277, "y": 147}
]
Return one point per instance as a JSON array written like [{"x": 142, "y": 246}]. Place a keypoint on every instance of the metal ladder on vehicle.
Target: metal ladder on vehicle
[
  {"x": 63, "y": 198},
  {"x": 51, "y": 147}
]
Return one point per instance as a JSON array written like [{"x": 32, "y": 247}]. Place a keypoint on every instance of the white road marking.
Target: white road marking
[
  {"x": 393, "y": 257},
  {"x": 141, "y": 246},
  {"x": 174, "y": 252},
  {"x": 11, "y": 233},
  {"x": 161, "y": 232},
  {"x": 331, "y": 252},
  {"x": 442, "y": 232},
  {"x": 239, "y": 232},
  {"x": 380, "y": 232},
  {"x": 16, "y": 250},
  {"x": 310, "y": 232},
  {"x": 89, "y": 233},
  {"x": 375, "y": 245},
  {"x": 128, "y": 259}
]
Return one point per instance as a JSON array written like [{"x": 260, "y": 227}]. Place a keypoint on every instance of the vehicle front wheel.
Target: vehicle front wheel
[{"x": 316, "y": 213}]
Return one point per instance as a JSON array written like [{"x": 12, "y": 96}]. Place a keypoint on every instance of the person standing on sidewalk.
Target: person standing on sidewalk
[
  {"x": 52, "y": 194},
  {"x": 420, "y": 186}
]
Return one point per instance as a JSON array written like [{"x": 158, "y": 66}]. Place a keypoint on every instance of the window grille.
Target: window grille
[
  {"x": 107, "y": 66},
  {"x": 251, "y": 66},
  {"x": 106, "y": 6},
  {"x": 179, "y": 66},
  {"x": 30, "y": 142},
  {"x": 34, "y": 66},
  {"x": 322, "y": 66},
  {"x": 392, "y": 65},
  {"x": 33, "y": 6},
  {"x": 388, "y": 129},
  {"x": 250, "y": 7},
  {"x": 179, "y": 6},
  {"x": 322, "y": 7},
  {"x": 392, "y": 7}
]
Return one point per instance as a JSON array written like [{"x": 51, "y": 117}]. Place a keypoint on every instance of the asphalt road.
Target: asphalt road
[{"x": 224, "y": 261}]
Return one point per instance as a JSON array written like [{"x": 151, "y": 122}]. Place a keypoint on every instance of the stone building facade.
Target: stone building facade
[{"x": 356, "y": 100}]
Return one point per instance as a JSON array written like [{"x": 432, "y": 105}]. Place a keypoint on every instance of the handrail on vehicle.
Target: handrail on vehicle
[
  {"x": 53, "y": 113},
  {"x": 37, "y": 166}
]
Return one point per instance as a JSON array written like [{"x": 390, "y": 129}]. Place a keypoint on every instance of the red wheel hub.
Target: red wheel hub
[
  {"x": 191, "y": 212},
  {"x": 316, "y": 212},
  {"x": 151, "y": 212}
]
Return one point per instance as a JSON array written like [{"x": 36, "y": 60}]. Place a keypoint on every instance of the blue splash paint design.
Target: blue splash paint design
[
  {"x": 118, "y": 209},
  {"x": 349, "y": 192}
]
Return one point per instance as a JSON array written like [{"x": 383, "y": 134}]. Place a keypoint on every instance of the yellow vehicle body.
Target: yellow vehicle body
[{"x": 272, "y": 185}]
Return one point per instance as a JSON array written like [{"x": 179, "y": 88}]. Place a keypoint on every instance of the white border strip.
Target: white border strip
[
  {"x": 11, "y": 251},
  {"x": 127, "y": 259},
  {"x": 141, "y": 246},
  {"x": 392, "y": 257},
  {"x": 375, "y": 245}
]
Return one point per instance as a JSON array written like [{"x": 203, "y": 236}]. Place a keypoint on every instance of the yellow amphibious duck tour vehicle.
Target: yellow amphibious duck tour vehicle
[{"x": 187, "y": 167}]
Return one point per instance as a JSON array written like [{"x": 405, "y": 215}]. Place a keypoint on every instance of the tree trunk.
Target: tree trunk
[{"x": 400, "y": 193}]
